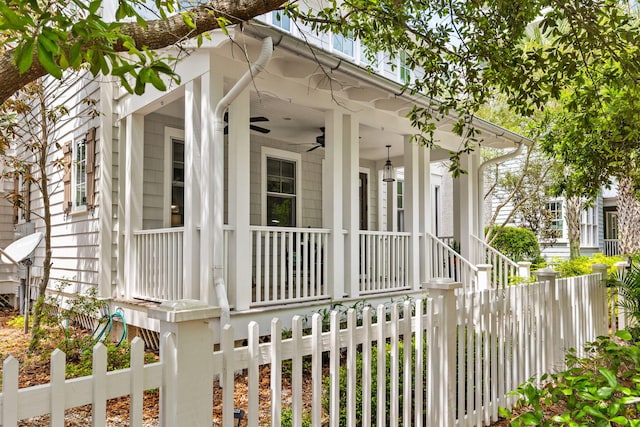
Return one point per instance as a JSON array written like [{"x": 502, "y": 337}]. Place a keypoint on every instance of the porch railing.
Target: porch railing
[
  {"x": 447, "y": 263},
  {"x": 384, "y": 261},
  {"x": 611, "y": 247},
  {"x": 289, "y": 264},
  {"x": 159, "y": 264},
  {"x": 503, "y": 267}
]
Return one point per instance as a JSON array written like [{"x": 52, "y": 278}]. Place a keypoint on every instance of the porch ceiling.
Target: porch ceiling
[{"x": 294, "y": 92}]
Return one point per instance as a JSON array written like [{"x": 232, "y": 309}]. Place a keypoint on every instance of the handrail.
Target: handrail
[
  {"x": 450, "y": 250},
  {"x": 447, "y": 263},
  {"x": 288, "y": 229},
  {"x": 384, "y": 233},
  {"x": 159, "y": 231},
  {"x": 504, "y": 269},
  {"x": 484, "y": 245}
]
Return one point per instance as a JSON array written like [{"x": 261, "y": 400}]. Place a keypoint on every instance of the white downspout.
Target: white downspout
[
  {"x": 480, "y": 195},
  {"x": 216, "y": 232}
]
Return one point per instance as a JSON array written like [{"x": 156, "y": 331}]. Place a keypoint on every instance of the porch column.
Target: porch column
[
  {"x": 240, "y": 259},
  {"x": 464, "y": 203},
  {"x": 351, "y": 205},
  {"x": 134, "y": 147},
  {"x": 105, "y": 184},
  {"x": 332, "y": 209},
  {"x": 424, "y": 211},
  {"x": 212, "y": 196},
  {"x": 192, "y": 173},
  {"x": 412, "y": 208}
]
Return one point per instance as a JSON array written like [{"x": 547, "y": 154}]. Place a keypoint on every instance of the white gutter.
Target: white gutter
[
  {"x": 212, "y": 233},
  {"x": 480, "y": 195}
]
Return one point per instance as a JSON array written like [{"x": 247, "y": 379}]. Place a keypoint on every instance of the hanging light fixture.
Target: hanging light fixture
[{"x": 388, "y": 174}]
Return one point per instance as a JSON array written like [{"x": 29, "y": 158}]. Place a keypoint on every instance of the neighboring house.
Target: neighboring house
[
  {"x": 277, "y": 204},
  {"x": 598, "y": 222}
]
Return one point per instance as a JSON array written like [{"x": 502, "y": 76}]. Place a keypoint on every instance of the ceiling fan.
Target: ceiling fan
[
  {"x": 251, "y": 126},
  {"x": 319, "y": 141}
]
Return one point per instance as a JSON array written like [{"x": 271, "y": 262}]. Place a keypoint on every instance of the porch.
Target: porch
[{"x": 282, "y": 201}]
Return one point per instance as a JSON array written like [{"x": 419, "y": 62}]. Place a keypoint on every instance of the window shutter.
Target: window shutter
[
  {"x": 66, "y": 177},
  {"x": 15, "y": 198},
  {"x": 26, "y": 197},
  {"x": 91, "y": 158}
]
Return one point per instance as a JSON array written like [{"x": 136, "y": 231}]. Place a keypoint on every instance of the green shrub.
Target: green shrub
[
  {"x": 599, "y": 390},
  {"x": 582, "y": 265},
  {"x": 517, "y": 243},
  {"x": 287, "y": 418}
]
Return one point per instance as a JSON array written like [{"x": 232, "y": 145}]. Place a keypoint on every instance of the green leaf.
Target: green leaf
[
  {"x": 620, "y": 420},
  {"x": 48, "y": 62},
  {"x": 530, "y": 419},
  {"x": 504, "y": 412},
  {"x": 50, "y": 45},
  {"x": 24, "y": 55},
  {"x": 609, "y": 376},
  {"x": 624, "y": 335},
  {"x": 188, "y": 20},
  {"x": 12, "y": 18}
]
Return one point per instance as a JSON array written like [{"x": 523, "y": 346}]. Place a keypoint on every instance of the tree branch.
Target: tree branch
[{"x": 157, "y": 34}]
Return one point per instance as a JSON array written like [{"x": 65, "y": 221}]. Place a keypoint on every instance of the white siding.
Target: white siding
[{"x": 74, "y": 237}]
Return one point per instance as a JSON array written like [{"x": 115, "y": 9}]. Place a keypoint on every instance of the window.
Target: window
[
  {"x": 79, "y": 174},
  {"x": 588, "y": 228},
  {"x": 280, "y": 20},
  {"x": 281, "y": 192},
  {"x": 343, "y": 44},
  {"x": 177, "y": 182},
  {"x": 555, "y": 210},
  {"x": 611, "y": 221},
  {"x": 173, "y": 210},
  {"x": 405, "y": 71},
  {"x": 400, "y": 199}
]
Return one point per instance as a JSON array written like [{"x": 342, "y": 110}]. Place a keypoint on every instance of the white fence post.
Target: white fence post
[
  {"x": 622, "y": 316},
  {"x": 524, "y": 269},
  {"x": 187, "y": 354},
  {"x": 443, "y": 377},
  {"x": 484, "y": 276},
  {"x": 600, "y": 269}
]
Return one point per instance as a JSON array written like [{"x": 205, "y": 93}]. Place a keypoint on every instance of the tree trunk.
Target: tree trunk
[
  {"x": 573, "y": 208},
  {"x": 628, "y": 216},
  {"x": 43, "y": 154}
]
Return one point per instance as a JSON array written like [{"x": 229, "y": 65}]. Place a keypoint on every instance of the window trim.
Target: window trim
[
  {"x": 354, "y": 51},
  {"x": 563, "y": 229},
  {"x": 268, "y": 152},
  {"x": 75, "y": 207},
  {"x": 170, "y": 134}
]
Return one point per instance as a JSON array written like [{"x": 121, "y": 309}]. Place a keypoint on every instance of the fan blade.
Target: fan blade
[
  {"x": 259, "y": 129},
  {"x": 313, "y": 148},
  {"x": 258, "y": 119}
]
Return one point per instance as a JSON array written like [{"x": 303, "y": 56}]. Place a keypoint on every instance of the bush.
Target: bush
[
  {"x": 595, "y": 391},
  {"x": 582, "y": 265},
  {"x": 517, "y": 243}
]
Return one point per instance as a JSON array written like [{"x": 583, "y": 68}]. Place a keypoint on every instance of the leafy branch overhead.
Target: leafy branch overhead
[{"x": 458, "y": 52}]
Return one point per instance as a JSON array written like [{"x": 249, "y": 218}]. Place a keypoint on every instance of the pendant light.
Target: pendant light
[{"x": 388, "y": 173}]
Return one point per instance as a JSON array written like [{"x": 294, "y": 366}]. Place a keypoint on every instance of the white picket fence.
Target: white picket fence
[{"x": 447, "y": 360}]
